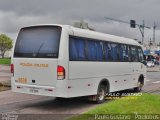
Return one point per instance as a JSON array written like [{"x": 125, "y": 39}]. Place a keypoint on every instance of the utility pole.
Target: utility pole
[
  {"x": 132, "y": 23},
  {"x": 154, "y": 29},
  {"x": 141, "y": 28}
]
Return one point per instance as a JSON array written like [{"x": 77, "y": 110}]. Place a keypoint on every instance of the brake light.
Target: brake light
[
  {"x": 12, "y": 68},
  {"x": 60, "y": 73}
]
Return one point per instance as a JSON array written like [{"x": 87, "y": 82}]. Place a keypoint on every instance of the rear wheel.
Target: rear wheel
[{"x": 101, "y": 93}]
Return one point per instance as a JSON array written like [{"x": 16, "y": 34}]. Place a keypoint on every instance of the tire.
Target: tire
[
  {"x": 59, "y": 99},
  {"x": 101, "y": 94},
  {"x": 139, "y": 85}
]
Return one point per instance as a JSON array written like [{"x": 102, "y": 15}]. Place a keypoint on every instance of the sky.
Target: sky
[{"x": 15, "y": 14}]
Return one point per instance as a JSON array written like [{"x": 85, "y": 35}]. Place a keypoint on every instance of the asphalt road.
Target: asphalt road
[
  {"x": 50, "y": 108},
  {"x": 152, "y": 83},
  {"x": 27, "y": 104}
]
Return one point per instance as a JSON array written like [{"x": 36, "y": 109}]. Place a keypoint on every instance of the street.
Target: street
[
  {"x": 17, "y": 103},
  {"x": 152, "y": 83}
]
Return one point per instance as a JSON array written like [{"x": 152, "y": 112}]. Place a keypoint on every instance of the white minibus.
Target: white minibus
[{"x": 64, "y": 61}]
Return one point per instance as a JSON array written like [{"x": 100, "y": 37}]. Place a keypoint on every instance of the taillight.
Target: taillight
[
  {"x": 12, "y": 68},
  {"x": 60, "y": 73}
]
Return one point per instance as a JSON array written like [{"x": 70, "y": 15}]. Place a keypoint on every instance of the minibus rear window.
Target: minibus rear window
[{"x": 38, "y": 42}]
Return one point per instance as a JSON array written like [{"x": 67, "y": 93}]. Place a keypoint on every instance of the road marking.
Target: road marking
[
  {"x": 156, "y": 82},
  {"x": 148, "y": 80}
]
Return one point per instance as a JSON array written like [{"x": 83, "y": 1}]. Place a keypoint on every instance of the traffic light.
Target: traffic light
[{"x": 132, "y": 23}]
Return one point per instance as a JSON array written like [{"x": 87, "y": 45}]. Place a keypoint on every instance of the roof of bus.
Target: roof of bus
[
  {"x": 95, "y": 35},
  {"x": 103, "y": 36}
]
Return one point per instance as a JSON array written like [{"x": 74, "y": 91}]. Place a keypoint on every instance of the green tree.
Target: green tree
[{"x": 6, "y": 44}]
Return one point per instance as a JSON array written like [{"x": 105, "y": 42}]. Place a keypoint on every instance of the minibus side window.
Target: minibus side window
[
  {"x": 77, "y": 49},
  {"x": 134, "y": 54},
  {"x": 120, "y": 53},
  {"x": 140, "y": 55},
  {"x": 106, "y": 51},
  {"x": 114, "y": 51},
  {"x": 94, "y": 50},
  {"x": 110, "y": 57}
]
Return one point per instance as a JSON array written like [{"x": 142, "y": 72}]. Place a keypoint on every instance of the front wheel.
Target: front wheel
[{"x": 139, "y": 85}]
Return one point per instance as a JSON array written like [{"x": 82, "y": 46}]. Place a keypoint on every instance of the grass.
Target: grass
[
  {"x": 145, "y": 104},
  {"x": 5, "y": 61}
]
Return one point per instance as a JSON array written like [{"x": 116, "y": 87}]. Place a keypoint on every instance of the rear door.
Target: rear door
[{"x": 36, "y": 55}]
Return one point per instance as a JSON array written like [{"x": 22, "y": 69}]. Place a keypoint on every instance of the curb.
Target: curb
[
  {"x": 6, "y": 83},
  {"x": 4, "y": 64},
  {"x": 153, "y": 71}
]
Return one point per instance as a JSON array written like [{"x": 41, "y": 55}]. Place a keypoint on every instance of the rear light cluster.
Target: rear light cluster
[
  {"x": 12, "y": 68},
  {"x": 60, "y": 73}
]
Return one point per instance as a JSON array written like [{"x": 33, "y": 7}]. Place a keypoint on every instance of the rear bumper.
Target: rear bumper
[{"x": 38, "y": 90}]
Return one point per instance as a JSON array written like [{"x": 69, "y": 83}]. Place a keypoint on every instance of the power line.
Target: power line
[{"x": 141, "y": 27}]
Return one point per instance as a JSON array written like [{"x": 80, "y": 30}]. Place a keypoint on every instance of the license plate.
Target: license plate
[{"x": 34, "y": 90}]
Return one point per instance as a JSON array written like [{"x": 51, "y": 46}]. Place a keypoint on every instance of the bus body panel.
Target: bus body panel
[
  {"x": 31, "y": 71},
  {"x": 138, "y": 70},
  {"x": 119, "y": 75},
  {"x": 59, "y": 91}
]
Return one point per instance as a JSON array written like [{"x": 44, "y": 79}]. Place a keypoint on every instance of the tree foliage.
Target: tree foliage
[{"x": 6, "y": 44}]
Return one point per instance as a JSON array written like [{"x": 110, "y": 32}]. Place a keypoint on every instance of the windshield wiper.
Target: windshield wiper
[{"x": 39, "y": 48}]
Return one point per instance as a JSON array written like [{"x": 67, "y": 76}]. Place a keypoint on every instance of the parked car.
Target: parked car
[{"x": 150, "y": 64}]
